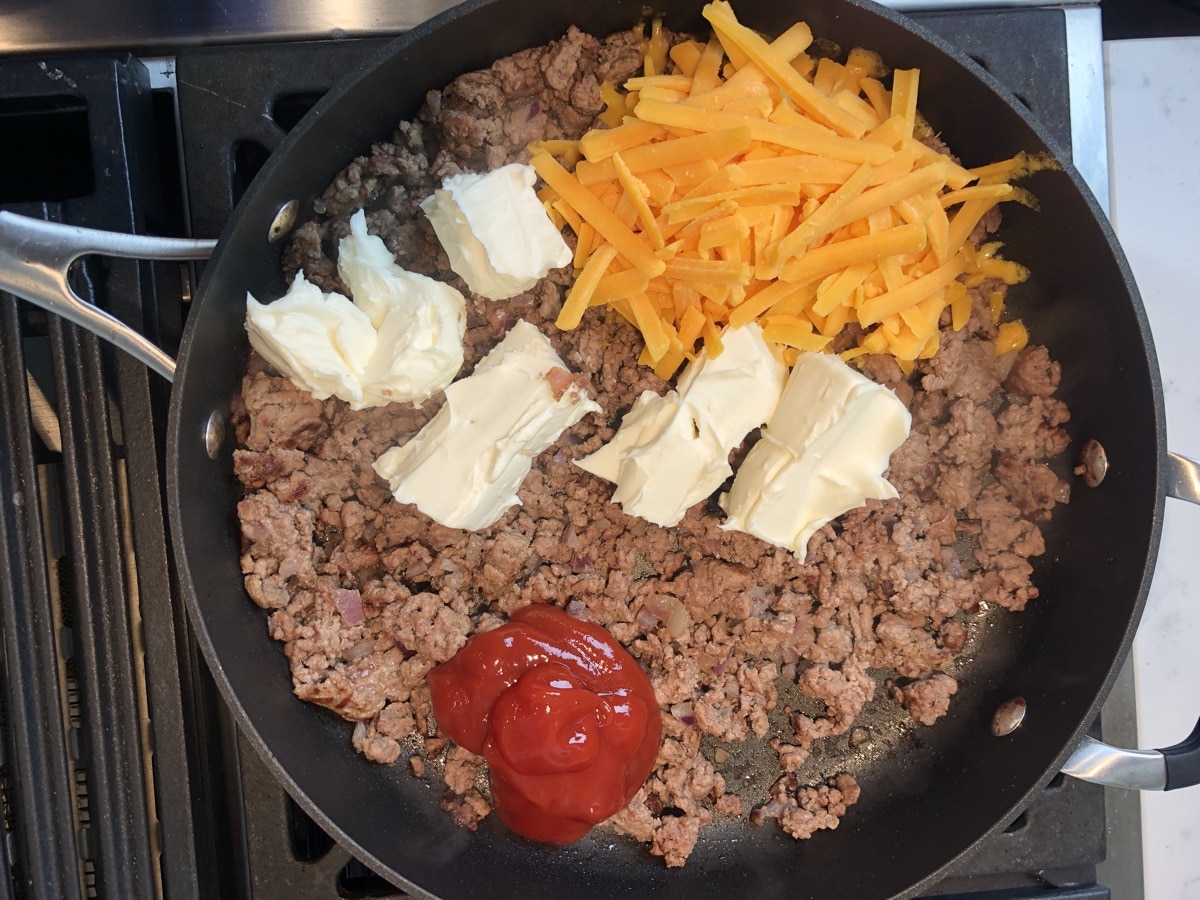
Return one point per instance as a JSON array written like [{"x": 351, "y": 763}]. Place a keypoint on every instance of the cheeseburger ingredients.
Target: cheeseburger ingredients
[
  {"x": 464, "y": 467},
  {"x": 400, "y": 340},
  {"x": 672, "y": 451},
  {"x": 823, "y": 453},
  {"x": 495, "y": 231},
  {"x": 897, "y": 586},
  {"x": 565, "y": 718}
]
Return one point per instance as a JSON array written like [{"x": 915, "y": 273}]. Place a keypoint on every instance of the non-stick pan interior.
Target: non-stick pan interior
[{"x": 933, "y": 794}]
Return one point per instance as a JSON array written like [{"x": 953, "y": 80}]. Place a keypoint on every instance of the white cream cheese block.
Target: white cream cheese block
[
  {"x": 495, "y": 230},
  {"x": 463, "y": 469},
  {"x": 823, "y": 453}
]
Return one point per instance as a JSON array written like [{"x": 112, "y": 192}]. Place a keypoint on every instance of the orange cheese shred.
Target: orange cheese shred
[{"x": 744, "y": 180}]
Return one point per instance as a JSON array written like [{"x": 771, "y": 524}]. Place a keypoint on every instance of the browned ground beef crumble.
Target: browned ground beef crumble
[{"x": 884, "y": 599}]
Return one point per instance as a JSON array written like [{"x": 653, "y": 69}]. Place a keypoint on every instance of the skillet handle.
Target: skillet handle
[
  {"x": 35, "y": 262},
  {"x": 1139, "y": 770},
  {"x": 1147, "y": 770}
]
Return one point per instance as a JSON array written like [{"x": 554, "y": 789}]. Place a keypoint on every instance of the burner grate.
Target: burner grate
[{"x": 105, "y": 789}]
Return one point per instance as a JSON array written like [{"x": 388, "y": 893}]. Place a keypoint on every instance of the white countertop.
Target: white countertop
[{"x": 1154, "y": 163}]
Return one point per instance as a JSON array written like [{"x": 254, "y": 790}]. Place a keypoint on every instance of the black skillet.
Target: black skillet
[{"x": 930, "y": 797}]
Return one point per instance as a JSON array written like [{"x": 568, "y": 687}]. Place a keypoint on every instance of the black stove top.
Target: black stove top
[{"x": 121, "y": 773}]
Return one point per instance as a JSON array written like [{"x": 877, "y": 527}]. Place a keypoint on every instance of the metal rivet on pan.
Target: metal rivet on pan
[
  {"x": 1093, "y": 463},
  {"x": 283, "y": 221},
  {"x": 214, "y": 434},
  {"x": 1009, "y": 716}
]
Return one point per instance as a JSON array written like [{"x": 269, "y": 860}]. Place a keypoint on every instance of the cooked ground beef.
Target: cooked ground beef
[
  {"x": 804, "y": 810},
  {"x": 366, "y": 595}
]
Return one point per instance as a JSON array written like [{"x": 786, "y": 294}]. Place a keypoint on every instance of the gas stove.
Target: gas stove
[{"x": 122, "y": 774}]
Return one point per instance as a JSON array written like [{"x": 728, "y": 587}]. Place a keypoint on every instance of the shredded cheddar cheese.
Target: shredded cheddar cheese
[
  {"x": 1011, "y": 337},
  {"x": 743, "y": 180}
]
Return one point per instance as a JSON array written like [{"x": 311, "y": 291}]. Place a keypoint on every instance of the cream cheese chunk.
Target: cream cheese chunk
[
  {"x": 823, "y": 453},
  {"x": 495, "y": 230},
  {"x": 463, "y": 469},
  {"x": 420, "y": 321},
  {"x": 672, "y": 451},
  {"x": 320, "y": 341},
  {"x": 399, "y": 340}
]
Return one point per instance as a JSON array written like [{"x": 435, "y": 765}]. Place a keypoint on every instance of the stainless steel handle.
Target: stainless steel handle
[
  {"x": 36, "y": 258},
  {"x": 1147, "y": 770},
  {"x": 1183, "y": 478},
  {"x": 1101, "y": 763}
]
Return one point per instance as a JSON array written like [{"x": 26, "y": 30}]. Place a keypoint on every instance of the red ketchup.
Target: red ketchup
[{"x": 562, "y": 713}]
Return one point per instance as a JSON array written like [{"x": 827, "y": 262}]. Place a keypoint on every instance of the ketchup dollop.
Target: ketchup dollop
[{"x": 564, "y": 716}]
